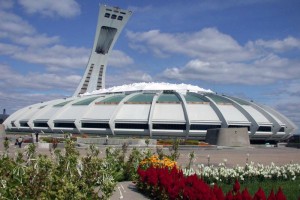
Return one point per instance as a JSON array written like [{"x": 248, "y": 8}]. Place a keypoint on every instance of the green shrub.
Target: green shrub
[{"x": 67, "y": 176}]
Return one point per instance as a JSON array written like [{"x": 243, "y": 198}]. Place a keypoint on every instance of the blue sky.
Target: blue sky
[{"x": 249, "y": 48}]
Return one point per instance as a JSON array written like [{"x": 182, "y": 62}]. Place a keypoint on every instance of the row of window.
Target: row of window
[
  {"x": 239, "y": 126},
  {"x": 95, "y": 125},
  {"x": 24, "y": 124},
  {"x": 131, "y": 126},
  {"x": 145, "y": 126},
  {"x": 64, "y": 125},
  {"x": 203, "y": 127},
  {"x": 264, "y": 129},
  {"x": 41, "y": 124},
  {"x": 113, "y": 16},
  {"x": 170, "y": 126}
]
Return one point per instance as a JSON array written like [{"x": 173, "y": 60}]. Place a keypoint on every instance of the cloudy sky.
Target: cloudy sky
[{"x": 248, "y": 49}]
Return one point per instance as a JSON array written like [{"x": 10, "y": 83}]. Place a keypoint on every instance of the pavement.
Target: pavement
[{"x": 126, "y": 190}]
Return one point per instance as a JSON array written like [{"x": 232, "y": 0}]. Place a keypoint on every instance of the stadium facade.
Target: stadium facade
[{"x": 156, "y": 110}]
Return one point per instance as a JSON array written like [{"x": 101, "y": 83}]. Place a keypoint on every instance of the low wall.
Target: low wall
[
  {"x": 232, "y": 137},
  {"x": 49, "y": 145},
  {"x": 294, "y": 145},
  {"x": 2, "y": 131},
  {"x": 115, "y": 141}
]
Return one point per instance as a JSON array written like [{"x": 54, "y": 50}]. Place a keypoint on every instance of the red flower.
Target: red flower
[
  {"x": 246, "y": 195},
  {"x": 271, "y": 195},
  {"x": 229, "y": 196},
  {"x": 163, "y": 182},
  {"x": 280, "y": 195},
  {"x": 236, "y": 186},
  {"x": 259, "y": 195},
  {"x": 237, "y": 196},
  {"x": 218, "y": 192}
]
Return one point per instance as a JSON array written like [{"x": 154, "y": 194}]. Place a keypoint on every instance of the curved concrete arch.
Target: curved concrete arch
[
  {"x": 114, "y": 114},
  {"x": 155, "y": 98},
  {"x": 27, "y": 115},
  {"x": 185, "y": 111},
  {"x": 12, "y": 119},
  {"x": 41, "y": 112},
  {"x": 254, "y": 125},
  {"x": 289, "y": 125},
  {"x": 61, "y": 110},
  {"x": 276, "y": 126},
  {"x": 215, "y": 107},
  {"x": 77, "y": 121}
]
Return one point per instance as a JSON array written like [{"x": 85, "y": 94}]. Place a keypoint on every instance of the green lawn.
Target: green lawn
[{"x": 290, "y": 188}]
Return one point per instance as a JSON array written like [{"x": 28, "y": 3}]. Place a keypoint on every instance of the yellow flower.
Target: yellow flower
[{"x": 156, "y": 162}]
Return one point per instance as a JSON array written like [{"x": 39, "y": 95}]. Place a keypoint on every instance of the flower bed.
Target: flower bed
[
  {"x": 162, "y": 179},
  {"x": 165, "y": 183},
  {"x": 213, "y": 174},
  {"x": 156, "y": 162}
]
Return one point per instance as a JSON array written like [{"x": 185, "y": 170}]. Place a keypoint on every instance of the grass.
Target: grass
[{"x": 290, "y": 188}]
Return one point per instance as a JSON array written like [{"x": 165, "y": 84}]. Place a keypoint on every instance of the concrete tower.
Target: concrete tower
[{"x": 111, "y": 21}]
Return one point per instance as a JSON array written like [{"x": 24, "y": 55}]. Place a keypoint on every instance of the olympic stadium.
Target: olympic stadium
[{"x": 155, "y": 110}]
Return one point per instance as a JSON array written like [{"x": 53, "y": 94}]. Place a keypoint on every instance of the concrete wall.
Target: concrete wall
[
  {"x": 114, "y": 141},
  {"x": 233, "y": 137},
  {"x": 2, "y": 131}
]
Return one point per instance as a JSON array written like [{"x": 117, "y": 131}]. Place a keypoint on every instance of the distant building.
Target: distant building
[{"x": 3, "y": 116}]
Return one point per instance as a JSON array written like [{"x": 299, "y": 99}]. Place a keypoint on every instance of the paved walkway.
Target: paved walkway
[{"x": 127, "y": 191}]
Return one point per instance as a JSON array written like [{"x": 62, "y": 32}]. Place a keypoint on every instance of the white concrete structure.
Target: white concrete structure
[
  {"x": 157, "y": 112},
  {"x": 111, "y": 21},
  {"x": 144, "y": 109},
  {"x": 232, "y": 137}
]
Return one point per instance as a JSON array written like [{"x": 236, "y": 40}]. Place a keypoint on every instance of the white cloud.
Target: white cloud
[
  {"x": 279, "y": 45},
  {"x": 267, "y": 70},
  {"x": 19, "y": 31},
  {"x": 54, "y": 57},
  {"x": 52, "y": 8},
  {"x": 6, "y": 4},
  {"x": 13, "y": 24},
  {"x": 16, "y": 100},
  {"x": 57, "y": 55},
  {"x": 28, "y": 45},
  {"x": 286, "y": 100},
  {"x": 9, "y": 49},
  {"x": 127, "y": 77},
  {"x": 12, "y": 80},
  {"x": 136, "y": 9},
  {"x": 293, "y": 89},
  {"x": 119, "y": 59},
  {"x": 217, "y": 57},
  {"x": 208, "y": 44},
  {"x": 37, "y": 40}
]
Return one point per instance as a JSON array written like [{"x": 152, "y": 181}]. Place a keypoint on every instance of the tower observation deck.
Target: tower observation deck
[{"x": 111, "y": 21}]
